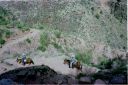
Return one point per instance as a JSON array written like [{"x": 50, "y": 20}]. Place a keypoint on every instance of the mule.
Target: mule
[
  {"x": 77, "y": 65},
  {"x": 28, "y": 61}
]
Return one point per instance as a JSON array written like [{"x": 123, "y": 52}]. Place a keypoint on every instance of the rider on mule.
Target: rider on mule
[
  {"x": 73, "y": 60},
  {"x": 23, "y": 58}
]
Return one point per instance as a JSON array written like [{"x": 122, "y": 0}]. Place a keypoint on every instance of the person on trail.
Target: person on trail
[
  {"x": 23, "y": 58},
  {"x": 73, "y": 60}
]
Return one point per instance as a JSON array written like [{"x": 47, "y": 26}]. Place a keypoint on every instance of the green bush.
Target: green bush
[
  {"x": 97, "y": 16},
  {"x": 4, "y": 16},
  {"x": 7, "y": 33},
  {"x": 119, "y": 9},
  {"x": 2, "y": 41},
  {"x": 39, "y": 26},
  {"x": 121, "y": 68},
  {"x": 28, "y": 40},
  {"x": 57, "y": 46},
  {"x": 3, "y": 20},
  {"x": 57, "y": 33},
  {"x": 42, "y": 48},
  {"x": 108, "y": 64},
  {"x": 80, "y": 75},
  {"x": 19, "y": 25},
  {"x": 22, "y": 26},
  {"x": 84, "y": 57},
  {"x": 43, "y": 42},
  {"x": 104, "y": 64},
  {"x": 4, "y": 33}
]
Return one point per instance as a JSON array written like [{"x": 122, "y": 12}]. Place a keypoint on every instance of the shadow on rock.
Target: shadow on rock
[{"x": 33, "y": 75}]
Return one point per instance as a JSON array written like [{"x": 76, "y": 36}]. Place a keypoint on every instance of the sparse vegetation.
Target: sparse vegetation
[
  {"x": 43, "y": 42},
  {"x": 57, "y": 33},
  {"x": 28, "y": 40},
  {"x": 22, "y": 26},
  {"x": 85, "y": 57},
  {"x": 7, "y": 33},
  {"x": 4, "y": 33},
  {"x": 2, "y": 41},
  {"x": 80, "y": 75},
  {"x": 118, "y": 9},
  {"x": 4, "y": 16},
  {"x": 39, "y": 26},
  {"x": 57, "y": 46},
  {"x": 97, "y": 16}
]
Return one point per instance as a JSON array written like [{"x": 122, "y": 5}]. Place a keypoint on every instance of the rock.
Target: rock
[
  {"x": 38, "y": 75},
  {"x": 60, "y": 79},
  {"x": 72, "y": 81},
  {"x": 22, "y": 73},
  {"x": 7, "y": 82},
  {"x": 85, "y": 80},
  {"x": 118, "y": 79},
  {"x": 99, "y": 81}
]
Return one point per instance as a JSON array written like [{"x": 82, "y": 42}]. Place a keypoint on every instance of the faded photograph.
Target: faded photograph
[{"x": 63, "y": 42}]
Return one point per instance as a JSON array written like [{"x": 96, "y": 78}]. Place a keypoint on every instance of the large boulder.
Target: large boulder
[{"x": 37, "y": 75}]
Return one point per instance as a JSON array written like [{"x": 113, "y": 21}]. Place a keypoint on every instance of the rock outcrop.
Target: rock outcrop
[{"x": 35, "y": 75}]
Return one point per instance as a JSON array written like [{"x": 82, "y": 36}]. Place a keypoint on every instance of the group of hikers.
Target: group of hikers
[{"x": 72, "y": 59}]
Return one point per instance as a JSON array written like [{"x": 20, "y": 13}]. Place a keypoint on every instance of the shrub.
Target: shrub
[
  {"x": 2, "y": 41},
  {"x": 97, "y": 16},
  {"x": 43, "y": 42},
  {"x": 121, "y": 36},
  {"x": 80, "y": 75},
  {"x": 57, "y": 46},
  {"x": 25, "y": 29},
  {"x": 28, "y": 40},
  {"x": 42, "y": 48},
  {"x": 121, "y": 66},
  {"x": 22, "y": 26},
  {"x": 57, "y": 33},
  {"x": 39, "y": 26},
  {"x": 104, "y": 63},
  {"x": 84, "y": 57},
  {"x": 7, "y": 33},
  {"x": 4, "y": 16},
  {"x": 119, "y": 9},
  {"x": 3, "y": 20},
  {"x": 108, "y": 64}
]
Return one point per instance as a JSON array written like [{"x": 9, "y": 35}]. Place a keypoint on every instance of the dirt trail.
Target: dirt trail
[
  {"x": 55, "y": 63},
  {"x": 33, "y": 32}
]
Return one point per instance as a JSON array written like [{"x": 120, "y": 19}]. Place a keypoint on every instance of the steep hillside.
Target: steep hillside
[
  {"x": 85, "y": 19},
  {"x": 49, "y": 31},
  {"x": 5, "y": 20}
]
